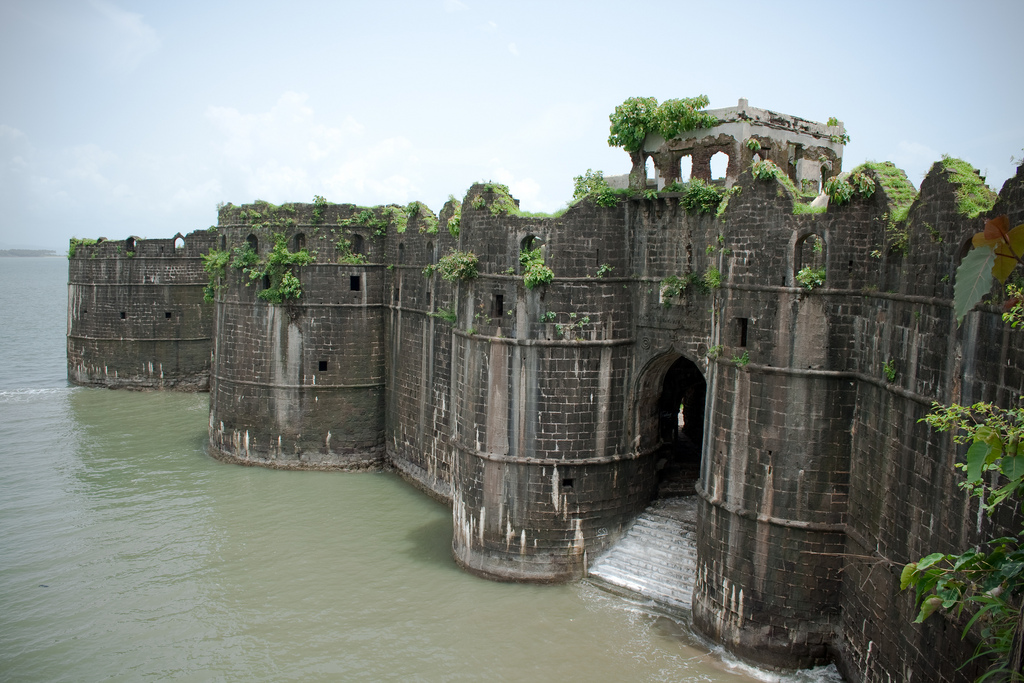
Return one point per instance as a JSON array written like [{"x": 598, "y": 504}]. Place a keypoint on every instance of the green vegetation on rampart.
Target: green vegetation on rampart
[{"x": 973, "y": 196}]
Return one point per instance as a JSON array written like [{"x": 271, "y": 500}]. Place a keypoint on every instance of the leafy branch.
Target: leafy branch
[
  {"x": 997, "y": 251},
  {"x": 535, "y": 273},
  {"x": 987, "y": 583}
]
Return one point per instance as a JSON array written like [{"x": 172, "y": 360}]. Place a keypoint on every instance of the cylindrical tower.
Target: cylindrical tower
[
  {"x": 298, "y": 365},
  {"x": 544, "y": 475},
  {"x": 136, "y": 315}
]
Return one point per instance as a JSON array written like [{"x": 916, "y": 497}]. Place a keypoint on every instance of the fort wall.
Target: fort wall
[
  {"x": 136, "y": 316},
  {"x": 302, "y": 384},
  {"x": 537, "y": 413}
]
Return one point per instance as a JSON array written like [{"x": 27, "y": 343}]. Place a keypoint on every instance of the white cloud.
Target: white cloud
[
  {"x": 133, "y": 39},
  {"x": 454, "y": 6},
  {"x": 287, "y": 132},
  {"x": 526, "y": 190},
  {"x": 289, "y": 153},
  {"x": 513, "y": 49}
]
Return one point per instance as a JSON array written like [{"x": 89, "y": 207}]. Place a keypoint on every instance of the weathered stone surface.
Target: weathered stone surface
[
  {"x": 817, "y": 480},
  {"x": 136, "y": 315}
]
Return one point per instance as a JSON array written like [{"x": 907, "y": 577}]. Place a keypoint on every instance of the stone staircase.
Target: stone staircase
[{"x": 657, "y": 557}]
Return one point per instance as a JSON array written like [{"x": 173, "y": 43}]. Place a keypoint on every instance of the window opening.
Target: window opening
[
  {"x": 300, "y": 241},
  {"x": 719, "y": 165},
  {"x": 129, "y": 244},
  {"x": 741, "y": 328},
  {"x": 167, "y": 314},
  {"x": 122, "y": 315},
  {"x": 567, "y": 482},
  {"x": 355, "y": 282},
  {"x": 322, "y": 366},
  {"x": 685, "y": 168},
  {"x": 179, "y": 243},
  {"x": 499, "y": 306}
]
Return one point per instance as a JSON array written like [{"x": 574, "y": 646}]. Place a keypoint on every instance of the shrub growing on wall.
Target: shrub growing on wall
[{"x": 458, "y": 265}]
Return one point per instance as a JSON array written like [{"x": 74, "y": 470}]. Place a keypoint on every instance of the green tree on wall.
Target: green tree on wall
[
  {"x": 987, "y": 582},
  {"x": 637, "y": 117}
]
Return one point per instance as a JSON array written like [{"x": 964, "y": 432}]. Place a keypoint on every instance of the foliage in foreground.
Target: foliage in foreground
[
  {"x": 987, "y": 582},
  {"x": 997, "y": 251}
]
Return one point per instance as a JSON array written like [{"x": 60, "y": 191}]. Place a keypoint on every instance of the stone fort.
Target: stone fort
[{"x": 538, "y": 413}]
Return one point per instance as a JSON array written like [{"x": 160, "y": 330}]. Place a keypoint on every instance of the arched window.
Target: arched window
[
  {"x": 430, "y": 252},
  {"x": 129, "y": 244},
  {"x": 719, "y": 165},
  {"x": 299, "y": 241},
  {"x": 685, "y": 166},
  {"x": 358, "y": 245},
  {"x": 223, "y": 242},
  {"x": 651, "y": 168},
  {"x": 254, "y": 243},
  {"x": 179, "y": 242},
  {"x": 810, "y": 258},
  {"x": 529, "y": 243}
]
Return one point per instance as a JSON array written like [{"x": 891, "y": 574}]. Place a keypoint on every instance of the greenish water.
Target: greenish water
[{"x": 127, "y": 554}]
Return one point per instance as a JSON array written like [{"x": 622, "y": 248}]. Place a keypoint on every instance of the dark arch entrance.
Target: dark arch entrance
[
  {"x": 681, "y": 406},
  {"x": 681, "y": 426},
  {"x": 670, "y": 413}
]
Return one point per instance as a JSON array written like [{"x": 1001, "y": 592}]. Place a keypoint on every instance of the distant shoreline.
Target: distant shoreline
[{"x": 16, "y": 253}]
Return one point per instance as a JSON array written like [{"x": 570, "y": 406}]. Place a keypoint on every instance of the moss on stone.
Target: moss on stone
[
  {"x": 898, "y": 188},
  {"x": 973, "y": 196}
]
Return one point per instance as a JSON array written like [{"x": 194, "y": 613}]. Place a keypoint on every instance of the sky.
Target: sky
[{"x": 123, "y": 118}]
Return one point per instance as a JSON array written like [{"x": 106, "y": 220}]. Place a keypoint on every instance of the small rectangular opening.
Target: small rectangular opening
[
  {"x": 398, "y": 294},
  {"x": 428, "y": 298},
  {"x": 499, "y": 306},
  {"x": 568, "y": 482},
  {"x": 322, "y": 366},
  {"x": 355, "y": 282},
  {"x": 122, "y": 315},
  {"x": 167, "y": 314},
  {"x": 741, "y": 328}
]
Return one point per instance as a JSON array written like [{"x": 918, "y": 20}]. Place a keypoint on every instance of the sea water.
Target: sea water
[{"x": 128, "y": 554}]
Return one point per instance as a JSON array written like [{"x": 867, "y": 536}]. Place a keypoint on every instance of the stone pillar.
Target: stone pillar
[
  {"x": 735, "y": 167},
  {"x": 701, "y": 169}
]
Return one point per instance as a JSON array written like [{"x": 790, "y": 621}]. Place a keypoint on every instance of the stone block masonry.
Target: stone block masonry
[
  {"x": 539, "y": 413},
  {"x": 136, "y": 315}
]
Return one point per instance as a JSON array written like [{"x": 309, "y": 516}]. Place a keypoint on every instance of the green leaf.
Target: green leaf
[
  {"x": 1013, "y": 467},
  {"x": 976, "y": 456},
  {"x": 927, "y": 607},
  {"x": 908, "y": 576},
  {"x": 965, "y": 559},
  {"x": 973, "y": 280},
  {"x": 929, "y": 561}
]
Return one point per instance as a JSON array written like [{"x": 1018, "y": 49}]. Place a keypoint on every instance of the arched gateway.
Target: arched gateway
[{"x": 669, "y": 418}]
